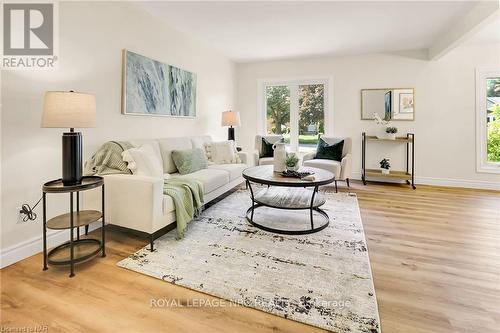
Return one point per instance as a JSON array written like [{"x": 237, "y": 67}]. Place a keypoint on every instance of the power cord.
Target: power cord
[{"x": 28, "y": 212}]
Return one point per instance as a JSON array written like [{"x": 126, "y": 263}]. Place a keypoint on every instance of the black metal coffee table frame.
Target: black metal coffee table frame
[{"x": 317, "y": 200}]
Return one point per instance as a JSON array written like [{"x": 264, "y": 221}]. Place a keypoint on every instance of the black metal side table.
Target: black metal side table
[{"x": 79, "y": 249}]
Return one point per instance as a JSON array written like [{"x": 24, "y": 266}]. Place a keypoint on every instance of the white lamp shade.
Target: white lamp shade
[
  {"x": 64, "y": 109},
  {"x": 231, "y": 118}
]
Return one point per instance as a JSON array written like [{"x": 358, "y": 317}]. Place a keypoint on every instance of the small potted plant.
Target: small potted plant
[
  {"x": 292, "y": 162},
  {"x": 391, "y": 132},
  {"x": 385, "y": 166}
]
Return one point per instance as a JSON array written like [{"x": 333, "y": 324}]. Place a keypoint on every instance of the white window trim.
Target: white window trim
[
  {"x": 482, "y": 164},
  {"x": 328, "y": 99}
]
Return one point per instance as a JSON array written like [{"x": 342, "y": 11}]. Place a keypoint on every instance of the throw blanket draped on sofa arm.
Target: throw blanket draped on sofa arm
[{"x": 187, "y": 194}]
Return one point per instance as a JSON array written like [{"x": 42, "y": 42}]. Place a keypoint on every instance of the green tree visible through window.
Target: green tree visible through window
[
  {"x": 278, "y": 108},
  {"x": 493, "y": 113},
  {"x": 311, "y": 107}
]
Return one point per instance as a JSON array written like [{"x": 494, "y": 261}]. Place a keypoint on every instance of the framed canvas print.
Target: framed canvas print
[
  {"x": 405, "y": 103},
  {"x": 153, "y": 88}
]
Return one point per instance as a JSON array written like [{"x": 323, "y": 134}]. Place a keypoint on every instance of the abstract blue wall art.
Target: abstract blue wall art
[{"x": 154, "y": 88}]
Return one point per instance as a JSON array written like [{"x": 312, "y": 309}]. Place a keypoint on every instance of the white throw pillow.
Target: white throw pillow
[
  {"x": 223, "y": 152},
  {"x": 143, "y": 161}
]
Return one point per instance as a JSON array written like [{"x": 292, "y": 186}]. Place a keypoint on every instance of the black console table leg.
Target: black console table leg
[
  {"x": 77, "y": 211},
  {"x": 71, "y": 223},
  {"x": 44, "y": 232}
]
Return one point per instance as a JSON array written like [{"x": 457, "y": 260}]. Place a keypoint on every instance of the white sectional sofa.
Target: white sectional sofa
[{"x": 138, "y": 203}]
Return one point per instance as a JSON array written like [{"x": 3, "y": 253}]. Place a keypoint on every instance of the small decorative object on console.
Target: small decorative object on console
[
  {"x": 391, "y": 132},
  {"x": 385, "y": 166}
]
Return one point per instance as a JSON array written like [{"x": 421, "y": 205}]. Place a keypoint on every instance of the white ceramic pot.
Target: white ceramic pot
[
  {"x": 279, "y": 157},
  {"x": 381, "y": 134},
  {"x": 391, "y": 136},
  {"x": 385, "y": 171},
  {"x": 294, "y": 168}
]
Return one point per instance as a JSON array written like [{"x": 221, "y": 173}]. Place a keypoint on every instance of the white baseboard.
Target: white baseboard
[
  {"x": 34, "y": 245},
  {"x": 447, "y": 182}
]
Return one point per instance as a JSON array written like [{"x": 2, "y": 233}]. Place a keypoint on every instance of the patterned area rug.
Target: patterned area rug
[{"x": 322, "y": 279}]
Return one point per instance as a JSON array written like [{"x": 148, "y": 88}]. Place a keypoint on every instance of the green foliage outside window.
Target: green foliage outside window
[
  {"x": 278, "y": 108},
  {"x": 494, "y": 137}
]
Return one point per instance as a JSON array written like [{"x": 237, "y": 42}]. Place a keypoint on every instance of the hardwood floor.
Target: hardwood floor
[{"x": 435, "y": 255}]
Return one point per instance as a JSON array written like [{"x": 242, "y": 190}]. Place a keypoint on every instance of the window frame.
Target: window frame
[
  {"x": 482, "y": 163},
  {"x": 293, "y": 84}
]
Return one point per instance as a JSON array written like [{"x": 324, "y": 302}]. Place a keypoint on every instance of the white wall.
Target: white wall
[
  {"x": 444, "y": 101},
  {"x": 92, "y": 35}
]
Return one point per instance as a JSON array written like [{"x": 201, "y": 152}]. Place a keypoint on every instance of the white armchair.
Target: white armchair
[
  {"x": 258, "y": 149},
  {"x": 341, "y": 170}
]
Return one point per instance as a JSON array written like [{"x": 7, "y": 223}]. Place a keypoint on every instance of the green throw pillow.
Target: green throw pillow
[
  {"x": 189, "y": 160},
  {"x": 266, "y": 149},
  {"x": 329, "y": 152}
]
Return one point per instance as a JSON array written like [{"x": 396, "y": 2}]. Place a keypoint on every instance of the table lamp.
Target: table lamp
[
  {"x": 230, "y": 118},
  {"x": 69, "y": 109}
]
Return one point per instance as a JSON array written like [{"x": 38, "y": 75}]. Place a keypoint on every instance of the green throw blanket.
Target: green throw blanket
[{"x": 187, "y": 194}]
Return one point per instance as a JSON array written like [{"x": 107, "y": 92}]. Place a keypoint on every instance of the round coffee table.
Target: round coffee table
[{"x": 287, "y": 193}]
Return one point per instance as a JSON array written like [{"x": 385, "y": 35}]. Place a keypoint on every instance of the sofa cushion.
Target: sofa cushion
[
  {"x": 329, "y": 151},
  {"x": 143, "y": 161},
  {"x": 328, "y": 165},
  {"x": 266, "y": 161},
  {"x": 168, "y": 204},
  {"x": 189, "y": 160},
  {"x": 211, "y": 179},
  {"x": 223, "y": 152},
  {"x": 234, "y": 170},
  {"x": 150, "y": 142},
  {"x": 200, "y": 141},
  {"x": 167, "y": 145}
]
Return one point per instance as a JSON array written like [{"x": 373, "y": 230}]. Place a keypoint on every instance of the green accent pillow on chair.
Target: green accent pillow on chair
[
  {"x": 329, "y": 152},
  {"x": 266, "y": 149},
  {"x": 189, "y": 160}
]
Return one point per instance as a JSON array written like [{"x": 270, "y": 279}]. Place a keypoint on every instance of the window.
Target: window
[
  {"x": 488, "y": 120},
  {"x": 297, "y": 111}
]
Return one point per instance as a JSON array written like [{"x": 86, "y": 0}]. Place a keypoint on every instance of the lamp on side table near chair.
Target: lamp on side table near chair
[
  {"x": 231, "y": 118},
  {"x": 340, "y": 168}
]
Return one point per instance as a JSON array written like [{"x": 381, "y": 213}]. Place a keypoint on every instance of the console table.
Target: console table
[
  {"x": 407, "y": 175},
  {"x": 79, "y": 249}
]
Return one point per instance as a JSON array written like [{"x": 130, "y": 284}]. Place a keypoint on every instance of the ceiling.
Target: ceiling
[{"x": 257, "y": 31}]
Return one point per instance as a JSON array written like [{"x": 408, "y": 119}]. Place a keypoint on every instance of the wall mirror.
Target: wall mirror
[{"x": 390, "y": 103}]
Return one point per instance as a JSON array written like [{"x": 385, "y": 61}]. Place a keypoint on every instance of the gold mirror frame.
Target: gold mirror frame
[{"x": 374, "y": 89}]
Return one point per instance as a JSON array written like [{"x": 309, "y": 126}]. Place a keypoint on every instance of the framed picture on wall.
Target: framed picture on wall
[
  {"x": 387, "y": 105},
  {"x": 150, "y": 87},
  {"x": 406, "y": 103}
]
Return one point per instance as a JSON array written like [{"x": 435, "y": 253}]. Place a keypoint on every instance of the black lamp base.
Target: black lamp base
[
  {"x": 230, "y": 133},
  {"x": 72, "y": 158}
]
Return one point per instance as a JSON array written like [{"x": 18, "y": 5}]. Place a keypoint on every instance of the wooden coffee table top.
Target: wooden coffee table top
[{"x": 264, "y": 174}]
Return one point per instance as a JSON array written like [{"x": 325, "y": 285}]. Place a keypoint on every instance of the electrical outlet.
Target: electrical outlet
[{"x": 20, "y": 216}]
